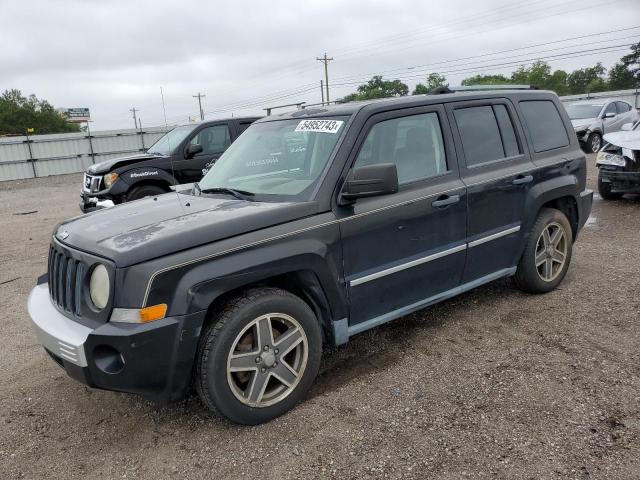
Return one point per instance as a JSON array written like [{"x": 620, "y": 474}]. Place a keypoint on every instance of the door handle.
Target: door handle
[
  {"x": 445, "y": 200},
  {"x": 523, "y": 179}
]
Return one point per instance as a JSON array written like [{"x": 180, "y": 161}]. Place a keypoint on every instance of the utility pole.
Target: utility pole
[
  {"x": 322, "y": 91},
  {"x": 199, "y": 96},
  {"x": 135, "y": 120},
  {"x": 326, "y": 61}
]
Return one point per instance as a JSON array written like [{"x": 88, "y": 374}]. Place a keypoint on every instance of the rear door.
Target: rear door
[
  {"x": 402, "y": 250},
  {"x": 498, "y": 172}
]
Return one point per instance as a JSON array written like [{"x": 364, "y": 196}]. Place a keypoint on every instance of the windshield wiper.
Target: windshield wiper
[{"x": 239, "y": 194}]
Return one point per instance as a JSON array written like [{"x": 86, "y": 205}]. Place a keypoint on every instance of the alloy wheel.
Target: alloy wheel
[
  {"x": 551, "y": 252},
  {"x": 267, "y": 360},
  {"x": 595, "y": 143}
]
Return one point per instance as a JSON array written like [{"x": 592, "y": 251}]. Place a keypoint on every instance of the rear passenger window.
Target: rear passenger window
[
  {"x": 623, "y": 107},
  {"x": 544, "y": 124},
  {"x": 487, "y": 134},
  {"x": 509, "y": 140},
  {"x": 413, "y": 143}
]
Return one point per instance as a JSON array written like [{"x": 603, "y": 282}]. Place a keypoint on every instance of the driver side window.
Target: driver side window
[
  {"x": 214, "y": 139},
  {"x": 414, "y": 143},
  {"x": 611, "y": 108}
]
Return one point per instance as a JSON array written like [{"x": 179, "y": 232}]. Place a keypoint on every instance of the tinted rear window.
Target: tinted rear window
[
  {"x": 544, "y": 124},
  {"x": 480, "y": 134}
]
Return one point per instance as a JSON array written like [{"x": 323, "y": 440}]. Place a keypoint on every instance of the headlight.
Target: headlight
[
  {"x": 109, "y": 179},
  {"x": 604, "y": 158},
  {"x": 99, "y": 287}
]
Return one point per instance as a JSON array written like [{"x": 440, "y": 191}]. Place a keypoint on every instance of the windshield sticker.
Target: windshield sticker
[{"x": 320, "y": 126}]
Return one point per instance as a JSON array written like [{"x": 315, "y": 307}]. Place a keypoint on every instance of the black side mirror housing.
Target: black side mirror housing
[
  {"x": 193, "y": 149},
  {"x": 370, "y": 181}
]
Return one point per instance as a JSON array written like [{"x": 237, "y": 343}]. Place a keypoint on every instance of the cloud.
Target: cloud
[{"x": 114, "y": 55}]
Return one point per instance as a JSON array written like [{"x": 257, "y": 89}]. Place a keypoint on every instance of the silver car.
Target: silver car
[{"x": 592, "y": 119}]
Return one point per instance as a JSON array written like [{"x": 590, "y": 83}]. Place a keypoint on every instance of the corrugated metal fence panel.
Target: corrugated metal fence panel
[
  {"x": 631, "y": 96},
  {"x": 15, "y": 171},
  {"x": 70, "y": 152},
  {"x": 60, "y": 166}
]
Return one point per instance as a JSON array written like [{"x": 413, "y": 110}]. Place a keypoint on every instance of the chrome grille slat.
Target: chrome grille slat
[{"x": 66, "y": 275}]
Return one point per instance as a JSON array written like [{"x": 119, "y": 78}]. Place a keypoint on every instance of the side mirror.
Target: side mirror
[
  {"x": 609, "y": 115},
  {"x": 370, "y": 181},
  {"x": 193, "y": 150},
  {"x": 627, "y": 127}
]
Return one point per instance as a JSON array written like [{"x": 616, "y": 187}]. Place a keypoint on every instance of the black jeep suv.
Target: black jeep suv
[
  {"x": 311, "y": 228},
  {"x": 182, "y": 155}
]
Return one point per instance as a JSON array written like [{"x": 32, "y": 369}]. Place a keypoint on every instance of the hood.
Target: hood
[
  {"x": 582, "y": 122},
  {"x": 624, "y": 139},
  {"x": 108, "y": 165},
  {"x": 135, "y": 232}
]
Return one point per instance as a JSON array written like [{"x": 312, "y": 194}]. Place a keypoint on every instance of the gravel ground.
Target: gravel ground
[{"x": 491, "y": 384}]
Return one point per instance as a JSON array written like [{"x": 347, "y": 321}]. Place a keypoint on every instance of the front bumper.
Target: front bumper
[
  {"x": 90, "y": 202},
  {"x": 154, "y": 360},
  {"x": 621, "y": 181}
]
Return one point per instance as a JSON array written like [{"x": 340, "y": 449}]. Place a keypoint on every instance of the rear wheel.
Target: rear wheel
[
  {"x": 604, "y": 189},
  {"x": 260, "y": 358},
  {"x": 145, "y": 191},
  {"x": 547, "y": 255}
]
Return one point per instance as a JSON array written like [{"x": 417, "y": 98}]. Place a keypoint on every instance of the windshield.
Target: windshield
[
  {"x": 578, "y": 111},
  {"x": 169, "y": 141},
  {"x": 281, "y": 158}
]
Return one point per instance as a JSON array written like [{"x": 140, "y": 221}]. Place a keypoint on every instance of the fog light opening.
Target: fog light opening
[{"x": 108, "y": 359}]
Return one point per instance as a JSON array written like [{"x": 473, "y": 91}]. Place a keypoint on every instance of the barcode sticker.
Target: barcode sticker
[{"x": 320, "y": 126}]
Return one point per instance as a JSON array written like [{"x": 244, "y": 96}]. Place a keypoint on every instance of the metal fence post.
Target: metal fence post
[
  {"x": 33, "y": 163},
  {"x": 93, "y": 156}
]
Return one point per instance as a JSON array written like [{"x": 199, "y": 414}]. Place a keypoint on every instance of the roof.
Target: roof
[
  {"x": 216, "y": 120},
  {"x": 400, "y": 102}
]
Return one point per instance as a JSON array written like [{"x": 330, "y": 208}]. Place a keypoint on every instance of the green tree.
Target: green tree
[
  {"x": 587, "y": 80},
  {"x": 434, "y": 80},
  {"x": 377, "y": 88},
  {"x": 621, "y": 77},
  {"x": 486, "y": 80},
  {"x": 632, "y": 61},
  {"x": 17, "y": 113}
]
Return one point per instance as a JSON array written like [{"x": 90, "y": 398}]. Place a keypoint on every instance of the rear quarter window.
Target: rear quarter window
[{"x": 545, "y": 125}]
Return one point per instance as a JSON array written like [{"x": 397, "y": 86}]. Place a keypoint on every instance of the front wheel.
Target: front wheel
[
  {"x": 547, "y": 255},
  {"x": 260, "y": 358},
  {"x": 594, "y": 142}
]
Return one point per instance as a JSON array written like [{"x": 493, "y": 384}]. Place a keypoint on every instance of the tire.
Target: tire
[
  {"x": 233, "y": 362},
  {"x": 594, "y": 142},
  {"x": 535, "y": 277},
  {"x": 604, "y": 189},
  {"x": 145, "y": 191}
]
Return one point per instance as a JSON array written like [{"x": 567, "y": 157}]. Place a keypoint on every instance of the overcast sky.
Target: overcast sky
[{"x": 113, "y": 55}]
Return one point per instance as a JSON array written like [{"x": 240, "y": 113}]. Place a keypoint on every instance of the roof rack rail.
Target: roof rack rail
[{"x": 476, "y": 88}]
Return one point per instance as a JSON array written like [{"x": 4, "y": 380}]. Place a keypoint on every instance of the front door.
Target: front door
[
  {"x": 214, "y": 139},
  {"x": 403, "y": 250}
]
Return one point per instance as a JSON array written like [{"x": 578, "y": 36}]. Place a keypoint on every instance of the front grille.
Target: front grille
[
  {"x": 91, "y": 183},
  {"x": 66, "y": 276}
]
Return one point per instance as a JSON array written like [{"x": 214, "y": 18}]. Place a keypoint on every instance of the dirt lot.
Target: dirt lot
[{"x": 494, "y": 383}]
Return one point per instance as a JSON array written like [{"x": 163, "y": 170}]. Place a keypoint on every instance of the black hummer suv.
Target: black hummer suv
[
  {"x": 311, "y": 228},
  {"x": 182, "y": 155}
]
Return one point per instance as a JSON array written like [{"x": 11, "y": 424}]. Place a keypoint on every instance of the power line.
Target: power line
[{"x": 462, "y": 59}]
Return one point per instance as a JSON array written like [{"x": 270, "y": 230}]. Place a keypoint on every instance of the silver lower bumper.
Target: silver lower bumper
[{"x": 60, "y": 335}]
